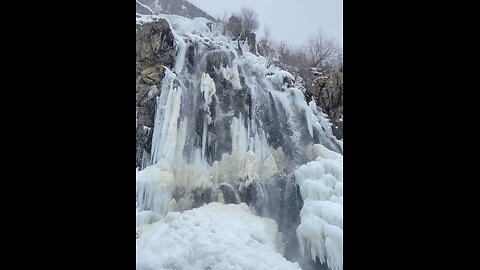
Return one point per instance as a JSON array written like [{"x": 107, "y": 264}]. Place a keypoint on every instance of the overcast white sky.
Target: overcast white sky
[{"x": 289, "y": 20}]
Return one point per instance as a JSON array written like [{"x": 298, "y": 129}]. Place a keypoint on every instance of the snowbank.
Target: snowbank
[{"x": 215, "y": 236}]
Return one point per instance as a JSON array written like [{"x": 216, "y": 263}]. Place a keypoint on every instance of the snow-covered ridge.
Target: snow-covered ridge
[{"x": 178, "y": 7}]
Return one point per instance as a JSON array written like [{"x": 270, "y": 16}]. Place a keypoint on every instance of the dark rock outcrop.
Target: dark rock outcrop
[
  {"x": 327, "y": 91},
  {"x": 154, "y": 44},
  {"x": 155, "y": 49},
  {"x": 234, "y": 26},
  {"x": 251, "y": 41}
]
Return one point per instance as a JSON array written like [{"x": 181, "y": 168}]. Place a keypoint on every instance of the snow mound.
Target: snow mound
[
  {"x": 214, "y": 236},
  {"x": 280, "y": 77}
]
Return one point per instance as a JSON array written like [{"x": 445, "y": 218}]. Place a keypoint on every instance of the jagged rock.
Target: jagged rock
[
  {"x": 234, "y": 26},
  {"x": 251, "y": 41},
  {"x": 327, "y": 92},
  {"x": 155, "y": 50},
  {"x": 153, "y": 75},
  {"x": 155, "y": 44}
]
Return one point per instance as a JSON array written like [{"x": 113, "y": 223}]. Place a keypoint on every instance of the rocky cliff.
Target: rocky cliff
[
  {"x": 327, "y": 91},
  {"x": 155, "y": 49}
]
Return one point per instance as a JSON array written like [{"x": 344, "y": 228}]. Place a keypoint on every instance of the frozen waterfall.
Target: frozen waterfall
[{"x": 232, "y": 129}]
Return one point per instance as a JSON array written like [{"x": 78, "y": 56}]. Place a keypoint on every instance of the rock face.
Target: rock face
[
  {"x": 251, "y": 41},
  {"x": 327, "y": 92},
  {"x": 155, "y": 49},
  {"x": 234, "y": 26}
]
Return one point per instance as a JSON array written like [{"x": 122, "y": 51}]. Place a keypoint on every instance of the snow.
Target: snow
[
  {"x": 215, "y": 236},
  {"x": 278, "y": 78},
  {"x": 179, "y": 24},
  {"x": 244, "y": 47},
  {"x": 184, "y": 26},
  {"x": 208, "y": 89},
  {"x": 257, "y": 64},
  {"x": 146, "y": 217},
  {"x": 318, "y": 150},
  {"x": 143, "y": 18},
  {"x": 231, "y": 74}
]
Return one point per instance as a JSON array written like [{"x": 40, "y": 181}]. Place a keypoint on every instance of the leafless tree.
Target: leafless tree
[
  {"x": 249, "y": 19},
  {"x": 223, "y": 20},
  {"x": 265, "y": 44},
  {"x": 320, "y": 50},
  {"x": 283, "y": 53},
  {"x": 290, "y": 56},
  {"x": 266, "y": 35}
]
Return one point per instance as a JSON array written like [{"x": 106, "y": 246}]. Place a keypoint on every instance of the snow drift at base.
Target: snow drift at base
[{"x": 215, "y": 236}]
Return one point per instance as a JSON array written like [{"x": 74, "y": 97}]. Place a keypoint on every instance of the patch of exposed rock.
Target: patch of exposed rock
[
  {"x": 155, "y": 50},
  {"x": 327, "y": 91}
]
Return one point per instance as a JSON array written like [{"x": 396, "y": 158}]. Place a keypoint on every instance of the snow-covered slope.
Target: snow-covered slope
[
  {"x": 178, "y": 7},
  {"x": 215, "y": 236}
]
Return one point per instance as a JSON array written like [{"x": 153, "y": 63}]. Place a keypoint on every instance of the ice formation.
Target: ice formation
[
  {"x": 228, "y": 126},
  {"x": 321, "y": 184}
]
